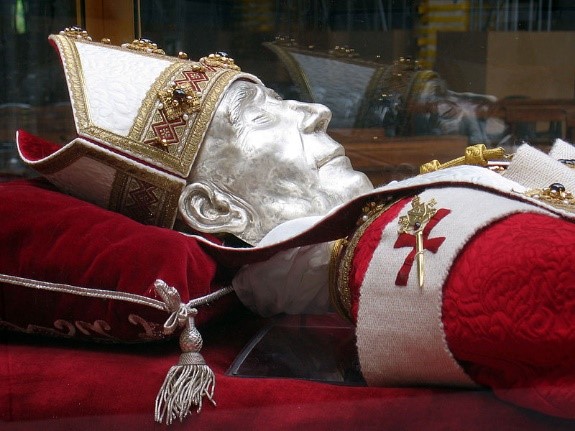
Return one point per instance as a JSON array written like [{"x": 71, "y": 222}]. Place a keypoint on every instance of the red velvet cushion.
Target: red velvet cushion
[
  {"x": 94, "y": 387},
  {"x": 48, "y": 236}
]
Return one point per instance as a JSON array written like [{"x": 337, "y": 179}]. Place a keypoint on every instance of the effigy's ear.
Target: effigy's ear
[{"x": 207, "y": 209}]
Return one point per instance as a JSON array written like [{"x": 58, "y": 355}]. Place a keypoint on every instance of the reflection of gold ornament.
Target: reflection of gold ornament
[
  {"x": 179, "y": 101},
  {"x": 76, "y": 32},
  {"x": 405, "y": 64},
  {"x": 220, "y": 59},
  {"x": 402, "y": 72},
  {"x": 343, "y": 51},
  {"x": 413, "y": 223},
  {"x": 285, "y": 41},
  {"x": 144, "y": 45},
  {"x": 555, "y": 195}
]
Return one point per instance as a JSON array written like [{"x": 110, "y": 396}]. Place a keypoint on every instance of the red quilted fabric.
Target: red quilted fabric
[{"x": 509, "y": 311}]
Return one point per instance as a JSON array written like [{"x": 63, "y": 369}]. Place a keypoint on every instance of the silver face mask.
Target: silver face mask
[{"x": 265, "y": 161}]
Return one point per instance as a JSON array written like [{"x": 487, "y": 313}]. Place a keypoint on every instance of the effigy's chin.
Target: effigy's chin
[
  {"x": 358, "y": 184},
  {"x": 345, "y": 182}
]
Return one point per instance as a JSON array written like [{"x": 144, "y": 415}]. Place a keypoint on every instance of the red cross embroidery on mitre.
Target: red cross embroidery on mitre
[
  {"x": 408, "y": 240},
  {"x": 193, "y": 78},
  {"x": 166, "y": 130}
]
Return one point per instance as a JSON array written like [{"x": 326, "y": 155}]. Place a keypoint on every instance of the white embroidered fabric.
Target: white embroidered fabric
[{"x": 114, "y": 98}]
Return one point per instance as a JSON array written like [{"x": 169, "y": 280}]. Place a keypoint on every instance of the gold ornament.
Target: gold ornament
[
  {"x": 144, "y": 45},
  {"x": 554, "y": 195},
  {"x": 413, "y": 223},
  {"x": 76, "y": 33},
  {"x": 220, "y": 59},
  {"x": 179, "y": 101}
]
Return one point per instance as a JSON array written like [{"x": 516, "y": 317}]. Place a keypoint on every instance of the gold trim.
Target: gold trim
[
  {"x": 145, "y": 114},
  {"x": 163, "y": 213},
  {"x": 342, "y": 255},
  {"x": 70, "y": 57},
  {"x": 335, "y": 295}
]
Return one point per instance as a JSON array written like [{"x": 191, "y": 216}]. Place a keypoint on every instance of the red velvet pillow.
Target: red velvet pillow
[{"x": 51, "y": 237}]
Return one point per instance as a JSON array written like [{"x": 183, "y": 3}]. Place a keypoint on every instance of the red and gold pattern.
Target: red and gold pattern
[
  {"x": 409, "y": 240},
  {"x": 178, "y": 102}
]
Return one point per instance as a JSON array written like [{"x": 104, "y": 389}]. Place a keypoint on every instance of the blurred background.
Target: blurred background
[{"x": 407, "y": 81}]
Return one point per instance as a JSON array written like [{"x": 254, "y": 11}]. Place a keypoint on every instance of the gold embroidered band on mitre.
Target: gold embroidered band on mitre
[{"x": 160, "y": 134}]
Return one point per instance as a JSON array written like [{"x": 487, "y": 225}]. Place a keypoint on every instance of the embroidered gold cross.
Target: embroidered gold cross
[{"x": 414, "y": 223}]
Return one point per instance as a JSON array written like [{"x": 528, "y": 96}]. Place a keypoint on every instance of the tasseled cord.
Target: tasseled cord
[{"x": 191, "y": 379}]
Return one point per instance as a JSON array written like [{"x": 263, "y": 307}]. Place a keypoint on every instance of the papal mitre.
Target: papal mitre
[{"x": 140, "y": 117}]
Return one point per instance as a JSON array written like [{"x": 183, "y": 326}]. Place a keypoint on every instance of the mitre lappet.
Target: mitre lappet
[{"x": 140, "y": 116}]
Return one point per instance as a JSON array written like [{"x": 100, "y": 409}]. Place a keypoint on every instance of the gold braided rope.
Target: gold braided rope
[{"x": 477, "y": 155}]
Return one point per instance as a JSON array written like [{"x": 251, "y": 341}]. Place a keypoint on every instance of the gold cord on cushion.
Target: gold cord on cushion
[
  {"x": 478, "y": 155},
  {"x": 343, "y": 251}
]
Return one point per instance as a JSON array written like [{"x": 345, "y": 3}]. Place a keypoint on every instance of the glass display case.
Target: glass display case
[{"x": 407, "y": 82}]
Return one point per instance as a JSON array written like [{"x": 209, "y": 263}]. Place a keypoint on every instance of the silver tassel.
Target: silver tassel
[{"x": 191, "y": 379}]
